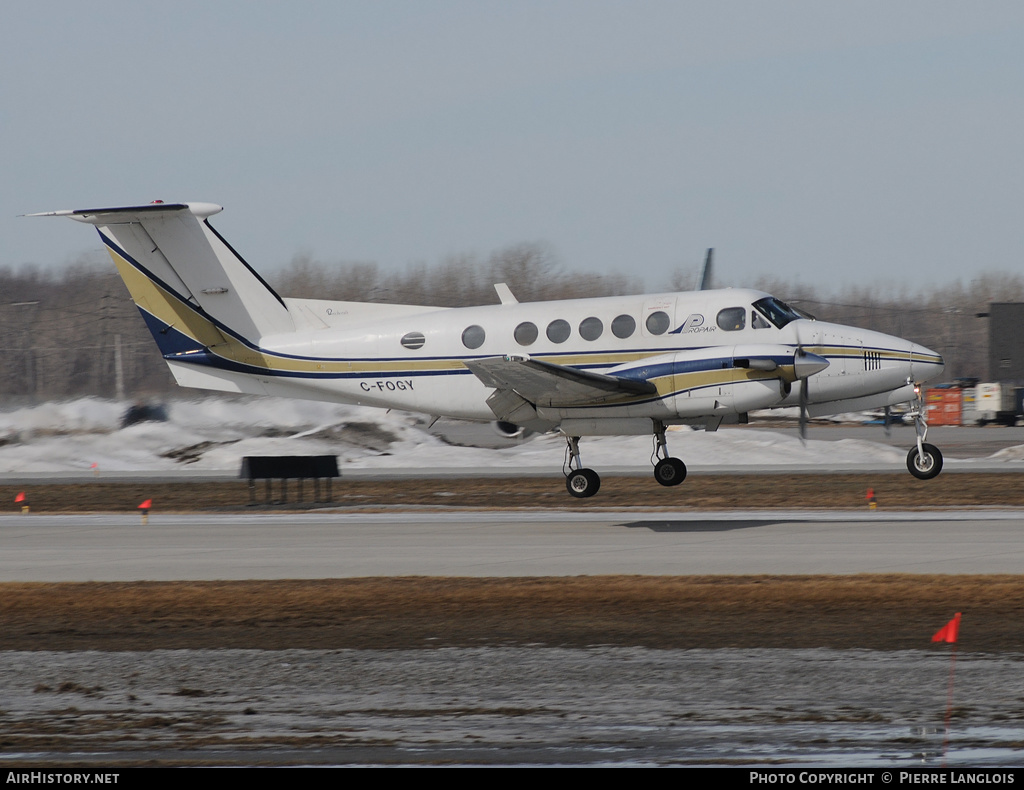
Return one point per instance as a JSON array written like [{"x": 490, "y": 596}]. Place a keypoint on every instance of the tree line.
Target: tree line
[{"x": 76, "y": 331}]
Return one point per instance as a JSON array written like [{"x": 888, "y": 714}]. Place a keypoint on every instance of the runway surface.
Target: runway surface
[{"x": 503, "y": 543}]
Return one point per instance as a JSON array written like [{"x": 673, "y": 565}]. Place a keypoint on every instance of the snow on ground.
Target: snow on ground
[
  {"x": 214, "y": 433},
  {"x": 1009, "y": 454}
]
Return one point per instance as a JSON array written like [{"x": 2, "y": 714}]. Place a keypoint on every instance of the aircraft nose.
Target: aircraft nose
[{"x": 925, "y": 364}]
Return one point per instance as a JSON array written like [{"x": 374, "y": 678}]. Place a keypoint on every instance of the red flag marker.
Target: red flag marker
[
  {"x": 23, "y": 500},
  {"x": 144, "y": 509},
  {"x": 872, "y": 502},
  {"x": 948, "y": 632},
  {"x": 20, "y": 497}
]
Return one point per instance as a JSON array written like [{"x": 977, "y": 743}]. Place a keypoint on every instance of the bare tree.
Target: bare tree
[{"x": 76, "y": 331}]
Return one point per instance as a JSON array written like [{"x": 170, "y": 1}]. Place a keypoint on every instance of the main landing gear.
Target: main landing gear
[
  {"x": 924, "y": 461},
  {"x": 667, "y": 470},
  {"x": 581, "y": 482}
]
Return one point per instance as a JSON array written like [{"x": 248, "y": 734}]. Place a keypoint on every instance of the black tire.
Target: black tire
[
  {"x": 583, "y": 483},
  {"x": 670, "y": 471},
  {"x": 927, "y": 466}
]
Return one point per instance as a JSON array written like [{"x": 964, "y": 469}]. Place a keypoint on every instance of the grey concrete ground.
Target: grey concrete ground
[{"x": 328, "y": 545}]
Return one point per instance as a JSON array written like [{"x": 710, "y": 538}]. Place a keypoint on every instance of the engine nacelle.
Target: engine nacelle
[
  {"x": 510, "y": 430},
  {"x": 723, "y": 379}
]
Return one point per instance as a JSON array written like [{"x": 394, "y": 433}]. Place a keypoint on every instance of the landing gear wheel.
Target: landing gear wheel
[
  {"x": 670, "y": 471},
  {"x": 927, "y": 465},
  {"x": 583, "y": 483}
]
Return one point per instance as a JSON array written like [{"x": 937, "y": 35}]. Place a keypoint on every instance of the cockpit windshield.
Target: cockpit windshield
[{"x": 777, "y": 311}]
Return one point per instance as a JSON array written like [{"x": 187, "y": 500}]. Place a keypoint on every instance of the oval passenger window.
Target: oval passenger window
[
  {"x": 657, "y": 323},
  {"x": 591, "y": 328},
  {"x": 623, "y": 326},
  {"x": 559, "y": 331},
  {"x": 526, "y": 333},
  {"x": 473, "y": 336}
]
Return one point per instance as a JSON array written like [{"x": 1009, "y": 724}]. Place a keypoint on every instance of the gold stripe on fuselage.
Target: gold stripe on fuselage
[{"x": 170, "y": 309}]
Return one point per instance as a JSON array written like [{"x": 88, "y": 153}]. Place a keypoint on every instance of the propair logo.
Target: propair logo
[{"x": 693, "y": 323}]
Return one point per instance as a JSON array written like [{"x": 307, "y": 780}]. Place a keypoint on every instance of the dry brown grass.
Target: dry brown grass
[
  {"x": 892, "y": 490},
  {"x": 890, "y": 612}
]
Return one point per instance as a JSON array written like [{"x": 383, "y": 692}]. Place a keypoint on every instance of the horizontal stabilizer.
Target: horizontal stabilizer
[{"x": 115, "y": 214}]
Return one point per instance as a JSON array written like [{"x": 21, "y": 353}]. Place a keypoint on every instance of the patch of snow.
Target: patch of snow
[
  {"x": 214, "y": 433},
  {"x": 1015, "y": 453}
]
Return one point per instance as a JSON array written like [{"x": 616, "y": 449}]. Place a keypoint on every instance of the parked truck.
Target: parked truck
[{"x": 997, "y": 403}]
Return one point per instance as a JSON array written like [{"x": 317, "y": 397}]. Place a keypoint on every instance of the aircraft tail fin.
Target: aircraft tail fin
[{"x": 183, "y": 275}]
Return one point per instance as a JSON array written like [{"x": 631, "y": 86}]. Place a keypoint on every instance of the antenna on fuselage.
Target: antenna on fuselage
[
  {"x": 505, "y": 295},
  {"x": 704, "y": 282}
]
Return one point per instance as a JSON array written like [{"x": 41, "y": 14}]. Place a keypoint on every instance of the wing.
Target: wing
[{"x": 545, "y": 384}]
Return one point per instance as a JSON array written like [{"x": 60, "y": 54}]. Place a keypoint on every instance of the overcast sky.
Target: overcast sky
[{"x": 834, "y": 142}]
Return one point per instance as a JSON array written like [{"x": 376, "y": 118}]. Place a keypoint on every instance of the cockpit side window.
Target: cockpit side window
[
  {"x": 732, "y": 319},
  {"x": 776, "y": 311}
]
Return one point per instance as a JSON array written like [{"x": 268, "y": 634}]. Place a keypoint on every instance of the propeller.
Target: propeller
[
  {"x": 803, "y": 411},
  {"x": 805, "y": 365}
]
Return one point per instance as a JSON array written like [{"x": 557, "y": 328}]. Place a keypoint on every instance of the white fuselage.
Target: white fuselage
[{"x": 354, "y": 353}]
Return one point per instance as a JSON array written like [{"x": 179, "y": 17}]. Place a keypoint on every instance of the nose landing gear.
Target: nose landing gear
[{"x": 925, "y": 460}]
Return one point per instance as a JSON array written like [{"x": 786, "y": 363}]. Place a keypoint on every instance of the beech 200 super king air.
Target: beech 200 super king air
[{"x": 583, "y": 367}]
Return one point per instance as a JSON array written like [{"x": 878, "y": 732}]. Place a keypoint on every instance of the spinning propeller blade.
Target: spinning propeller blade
[
  {"x": 805, "y": 365},
  {"x": 803, "y": 411}
]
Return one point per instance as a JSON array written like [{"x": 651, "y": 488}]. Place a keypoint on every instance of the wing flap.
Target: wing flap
[{"x": 546, "y": 384}]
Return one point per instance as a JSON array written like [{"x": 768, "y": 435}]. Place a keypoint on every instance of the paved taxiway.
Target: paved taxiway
[{"x": 501, "y": 543}]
